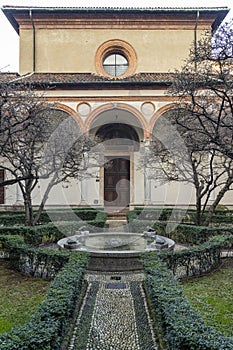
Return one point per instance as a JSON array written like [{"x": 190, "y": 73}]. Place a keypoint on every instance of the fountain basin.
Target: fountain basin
[{"x": 115, "y": 251}]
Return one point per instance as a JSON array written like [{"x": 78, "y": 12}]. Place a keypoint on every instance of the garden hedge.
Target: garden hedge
[
  {"x": 10, "y": 242},
  {"x": 178, "y": 215},
  {"x": 177, "y": 326},
  {"x": 196, "y": 261},
  {"x": 47, "y": 327},
  {"x": 192, "y": 235},
  {"x": 182, "y": 233},
  {"x": 51, "y": 232},
  {"x": 11, "y": 218}
]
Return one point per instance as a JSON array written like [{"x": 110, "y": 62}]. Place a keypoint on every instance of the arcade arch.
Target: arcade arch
[{"x": 120, "y": 132}]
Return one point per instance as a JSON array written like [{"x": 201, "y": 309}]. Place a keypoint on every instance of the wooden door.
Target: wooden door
[{"x": 116, "y": 182}]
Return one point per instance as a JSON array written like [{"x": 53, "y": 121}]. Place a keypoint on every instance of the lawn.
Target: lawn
[
  {"x": 20, "y": 296},
  {"x": 212, "y": 297}
]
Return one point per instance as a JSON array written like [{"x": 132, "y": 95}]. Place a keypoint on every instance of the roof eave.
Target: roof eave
[
  {"x": 99, "y": 85},
  {"x": 10, "y": 10}
]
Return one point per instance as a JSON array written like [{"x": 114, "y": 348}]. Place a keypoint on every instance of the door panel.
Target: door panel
[{"x": 117, "y": 182}]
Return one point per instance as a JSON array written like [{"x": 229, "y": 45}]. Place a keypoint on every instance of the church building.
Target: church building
[{"x": 110, "y": 70}]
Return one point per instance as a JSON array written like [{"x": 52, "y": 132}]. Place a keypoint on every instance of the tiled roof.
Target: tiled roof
[
  {"x": 121, "y": 8},
  {"x": 86, "y": 78},
  {"x": 6, "y": 77}
]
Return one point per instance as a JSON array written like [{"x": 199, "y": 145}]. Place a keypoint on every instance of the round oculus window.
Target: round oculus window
[
  {"x": 115, "y": 59},
  {"x": 115, "y": 64}
]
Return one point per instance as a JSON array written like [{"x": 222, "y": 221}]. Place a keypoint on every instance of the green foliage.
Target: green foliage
[
  {"x": 48, "y": 325},
  {"x": 34, "y": 261},
  {"x": 141, "y": 225},
  {"x": 44, "y": 263},
  {"x": 8, "y": 242},
  {"x": 183, "y": 233},
  {"x": 220, "y": 216},
  {"x": 190, "y": 234},
  {"x": 52, "y": 232},
  {"x": 11, "y": 218},
  {"x": 197, "y": 260},
  {"x": 181, "y": 327},
  {"x": 155, "y": 214}
]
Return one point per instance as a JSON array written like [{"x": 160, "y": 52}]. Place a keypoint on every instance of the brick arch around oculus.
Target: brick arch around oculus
[{"x": 119, "y": 106}]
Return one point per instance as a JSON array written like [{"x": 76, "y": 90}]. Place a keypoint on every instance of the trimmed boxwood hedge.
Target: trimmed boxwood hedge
[
  {"x": 11, "y": 218},
  {"x": 187, "y": 215},
  {"x": 10, "y": 242},
  {"x": 190, "y": 234},
  {"x": 175, "y": 322},
  {"x": 183, "y": 233},
  {"x": 47, "y": 327},
  {"x": 197, "y": 260},
  {"x": 51, "y": 232}
]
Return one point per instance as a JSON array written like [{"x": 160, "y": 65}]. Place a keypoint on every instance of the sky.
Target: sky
[{"x": 9, "y": 40}]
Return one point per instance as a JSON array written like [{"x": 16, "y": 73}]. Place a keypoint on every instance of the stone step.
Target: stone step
[{"x": 117, "y": 225}]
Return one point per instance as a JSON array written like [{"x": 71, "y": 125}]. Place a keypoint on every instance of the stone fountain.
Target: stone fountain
[{"x": 116, "y": 251}]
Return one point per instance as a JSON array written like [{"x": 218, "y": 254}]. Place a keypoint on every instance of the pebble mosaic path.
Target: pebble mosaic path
[{"x": 114, "y": 315}]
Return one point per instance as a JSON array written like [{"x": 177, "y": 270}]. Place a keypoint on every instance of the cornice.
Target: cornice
[
  {"x": 127, "y": 23},
  {"x": 119, "y": 18}
]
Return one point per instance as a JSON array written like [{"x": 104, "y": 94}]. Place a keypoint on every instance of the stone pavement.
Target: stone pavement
[{"x": 114, "y": 315}]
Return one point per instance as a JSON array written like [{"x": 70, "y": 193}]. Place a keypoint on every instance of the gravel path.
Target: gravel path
[{"x": 114, "y": 315}]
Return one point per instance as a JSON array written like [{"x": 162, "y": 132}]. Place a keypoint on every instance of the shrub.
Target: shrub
[
  {"x": 9, "y": 242},
  {"x": 178, "y": 215},
  {"x": 197, "y": 260},
  {"x": 190, "y": 234},
  {"x": 47, "y": 327},
  {"x": 52, "y": 232},
  {"x": 141, "y": 225},
  {"x": 179, "y": 326},
  {"x": 44, "y": 263},
  {"x": 11, "y": 218}
]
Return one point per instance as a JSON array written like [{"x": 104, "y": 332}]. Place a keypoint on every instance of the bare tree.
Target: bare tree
[
  {"x": 39, "y": 142},
  {"x": 190, "y": 158},
  {"x": 14, "y": 100},
  {"x": 205, "y": 88},
  {"x": 204, "y": 120}
]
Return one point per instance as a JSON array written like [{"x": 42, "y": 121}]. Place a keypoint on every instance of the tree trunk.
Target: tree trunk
[
  {"x": 28, "y": 209},
  {"x": 219, "y": 197},
  {"x": 44, "y": 199},
  {"x": 198, "y": 209}
]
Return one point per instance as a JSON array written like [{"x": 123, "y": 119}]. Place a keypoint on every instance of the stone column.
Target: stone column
[
  {"x": 84, "y": 179},
  {"x": 83, "y": 191},
  {"x": 147, "y": 178},
  {"x": 19, "y": 196}
]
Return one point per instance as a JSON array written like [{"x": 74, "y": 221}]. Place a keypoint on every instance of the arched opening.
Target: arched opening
[
  {"x": 118, "y": 134},
  {"x": 120, "y": 141}
]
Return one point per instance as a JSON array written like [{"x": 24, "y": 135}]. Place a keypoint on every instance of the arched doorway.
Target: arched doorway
[{"x": 120, "y": 141}]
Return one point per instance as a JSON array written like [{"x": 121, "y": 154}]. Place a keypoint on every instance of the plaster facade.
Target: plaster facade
[{"x": 65, "y": 41}]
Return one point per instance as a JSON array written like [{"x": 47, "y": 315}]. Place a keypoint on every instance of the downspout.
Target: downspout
[
  {"x": 195, "y": 39},
  {"x": 34, "y": 42}
]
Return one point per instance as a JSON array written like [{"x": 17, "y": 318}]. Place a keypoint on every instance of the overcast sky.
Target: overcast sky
[{"x": 9, "y": 56}]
